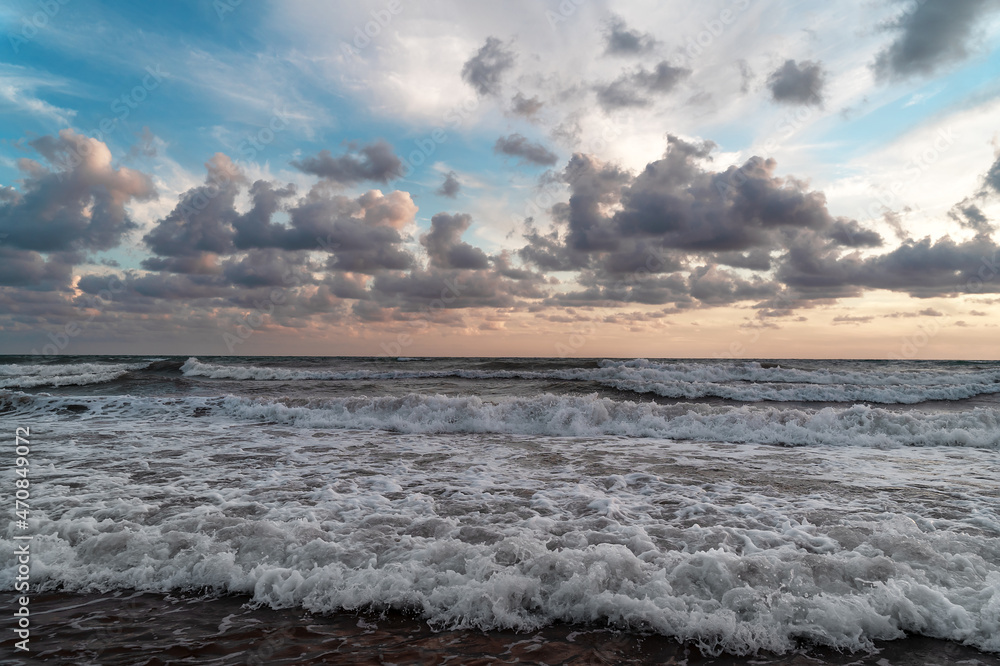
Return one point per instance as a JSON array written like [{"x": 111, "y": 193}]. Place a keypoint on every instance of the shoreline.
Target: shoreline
[{"x": 133, "y": 627}]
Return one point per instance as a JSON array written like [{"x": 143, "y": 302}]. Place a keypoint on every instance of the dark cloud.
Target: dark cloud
[
  {"x": 484, "y": 70},
  {"x": 993, "y": 177},
  {"x": 932, "y": 34},
  {"x": 922, "y": 269},
  {"x": 714, "y": 286},
  {"x": 77, "y": 202},
  {"x": 970, "y": 216},
  {"x": 268, "y": 268},
  {"x": 204, "y": 290},
  {"x": 635, "y": 88},
  {"x": 797, "y": 83},
  {"x": 502, "y": 265},
  {"x": 853, "y": 319},
  {"x": 432, "y": 290},
  {"x": 594, "y": 186},
  {"x": 676, "y": 213},
  {"x": 211, "y": 261},
  {"x": 525, "y": 106},
  {"x": 26, "y": 268},
  {"x": 451, "y": 186},
  {"x": 681, "y": 206},
  {"x": 361, "y": 234},
  {"x": 517, "y": 145},
  {"x": 851, "y": 234},
  {"x": 895, "y": 222},
  {"x": 622, "y": 40},
  {"x": 70, "y": 206},
  {"x": 202, "y": 220},
  {"x": 703, "y": 285},
  {"x": 680, "y": 233},
  {"x": 755, "y": 260},
  {"x": 445, "y": 247},
  {"x": 375, "y": 162}
]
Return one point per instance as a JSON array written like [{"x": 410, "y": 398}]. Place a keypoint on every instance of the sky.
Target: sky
[{"x": 720, "y": 179}]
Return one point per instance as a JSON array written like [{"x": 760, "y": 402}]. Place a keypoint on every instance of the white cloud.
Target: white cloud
[{"x": 19, "y": 88}]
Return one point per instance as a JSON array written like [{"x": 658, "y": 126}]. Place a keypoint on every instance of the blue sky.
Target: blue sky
[{"x": 844, "y": 100}]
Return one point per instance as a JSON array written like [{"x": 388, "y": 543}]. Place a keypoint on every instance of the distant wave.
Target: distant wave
[
  {"x": 553, "y": 415},
  {"x": 740, "y": 381}
]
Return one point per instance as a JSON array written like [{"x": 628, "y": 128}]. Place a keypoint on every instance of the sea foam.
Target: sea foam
[{"x": 555, "y": 415}]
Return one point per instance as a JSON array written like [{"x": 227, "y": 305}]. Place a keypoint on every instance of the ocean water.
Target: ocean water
[{"x": 781, "y": 509}]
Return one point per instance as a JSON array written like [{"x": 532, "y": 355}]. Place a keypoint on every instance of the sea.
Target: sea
[{"x": 291, "y": 510}]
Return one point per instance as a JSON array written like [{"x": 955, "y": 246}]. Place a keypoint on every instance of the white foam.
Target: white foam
[
  {"x": 72, "y": 374},
  {"x": 553, "y": 415},
  {"x": 741, "y": 381},
  {"x": 738, "y": 548}
]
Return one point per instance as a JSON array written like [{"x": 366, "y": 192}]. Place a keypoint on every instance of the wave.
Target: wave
[
  {"x": 70, "y": 374},
  {"x": 558, "y": 416},
  {"x": 743, "y": 381},
  {"x": 475, "y": 540},
  {"x": 739, "y": 381},
  {"x": 786, "y": 586}
]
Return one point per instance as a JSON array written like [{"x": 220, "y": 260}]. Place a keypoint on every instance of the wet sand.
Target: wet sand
[{"x": 155, "y": 630}]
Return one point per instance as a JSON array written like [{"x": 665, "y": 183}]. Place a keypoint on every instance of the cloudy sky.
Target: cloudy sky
[{"x": 726, "y": 178}]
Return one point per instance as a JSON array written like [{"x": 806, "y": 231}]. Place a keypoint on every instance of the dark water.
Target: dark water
[
  {"x": 541, "y": 510},
  {"x": 136, "y": 628}
]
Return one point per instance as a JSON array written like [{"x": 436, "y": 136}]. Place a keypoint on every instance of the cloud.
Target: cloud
[
  {"x": 360, "y": 234},
  {"x": 971, "y": 216},
  {"x": 852, "y": 319},
  {"x": 444, "y": 246},
  {"x": 622, "y": 40},
  {"x": 922, "y": 269},
  {"x": 200, "y": 223},
  {"x": 517, "y": 145},
  {"x": 746, "y": 75},
  {"x": 78, "y": 202},
  {"x": 146, "y": 146},
  {"x": 19, "y": 93},
  {"x": 932, "y": 34},
  {"x": 451, "y": 186},
  {"x": 674, "y": 213},
  {"x": 376, "y": 162},
  {"x": 633, "y": 89},
  {"x": 851, "y": 234},
  {"x": 993, "y": 177},
  {"x": 484, "y": 70},
  {"x": 679, "y": 205},
  {"x": 25, "y": 268},
  {"x": 797, "y": 83},
  {"x": 526, "y": 107}
]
